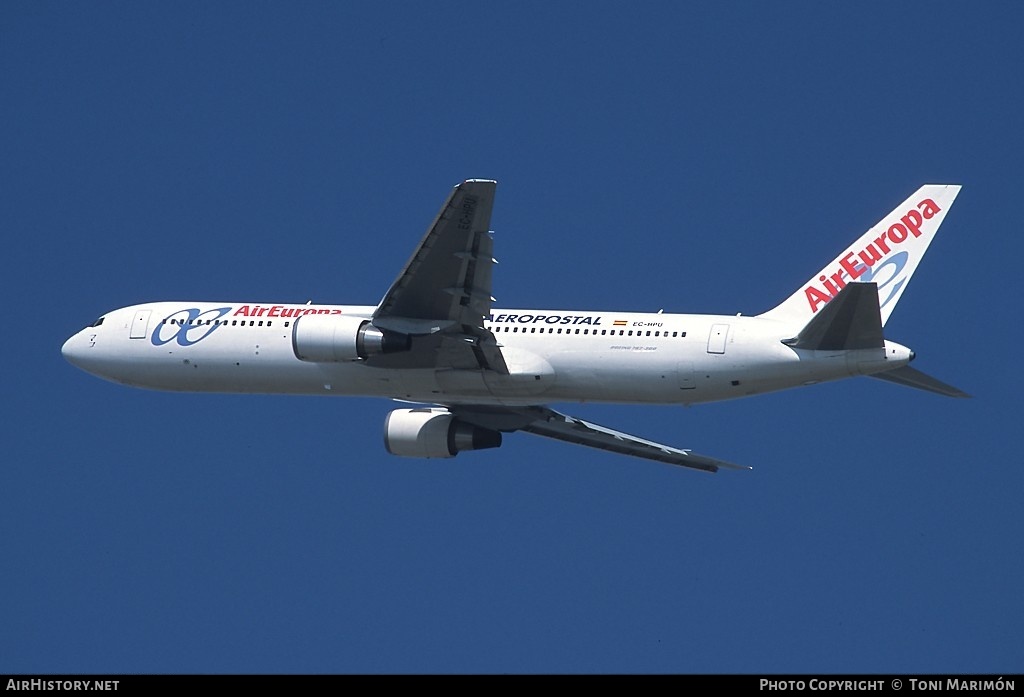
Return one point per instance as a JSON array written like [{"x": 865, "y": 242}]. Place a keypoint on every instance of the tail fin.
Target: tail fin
[{"x": 887, "y": 255}]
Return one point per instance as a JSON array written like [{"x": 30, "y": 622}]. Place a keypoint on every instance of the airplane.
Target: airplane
[{"x": 470, "y": 372}]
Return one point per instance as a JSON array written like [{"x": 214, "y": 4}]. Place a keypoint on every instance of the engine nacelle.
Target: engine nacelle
[
  {"x": 433, "y": 432},
  {"x": 340, "y": 338}
]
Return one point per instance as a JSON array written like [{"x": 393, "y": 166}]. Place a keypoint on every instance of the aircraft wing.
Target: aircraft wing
[
  {"x": 445, "y": 288},
  {"x": 543, "y": 421}
]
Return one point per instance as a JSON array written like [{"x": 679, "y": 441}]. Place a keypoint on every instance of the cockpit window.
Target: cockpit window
[{"x": 98, "y": 322}]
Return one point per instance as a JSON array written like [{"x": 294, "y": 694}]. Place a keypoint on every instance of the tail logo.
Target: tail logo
[{"x": 858, "y": 265}]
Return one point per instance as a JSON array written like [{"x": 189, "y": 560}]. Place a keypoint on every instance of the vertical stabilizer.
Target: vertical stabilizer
[{"x": 886, "y": 255}]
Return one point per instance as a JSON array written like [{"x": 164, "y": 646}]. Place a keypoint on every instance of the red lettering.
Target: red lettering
[
  {"x": 828, "y": 285},
  {"x": 814, "y": 296},
  {"x": 928, "y": 208},
  {"x": 282, "y": 311},
  {"x": 850, "y": 267},
  {"x": 897, "y": 233},
  {"x": 870, "y": 255},
  {"x": 913, "y": 222},
  {"x": 882, "y": 243}
]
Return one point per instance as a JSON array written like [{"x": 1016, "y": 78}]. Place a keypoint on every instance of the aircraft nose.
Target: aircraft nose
[{"x": 73, "y": 351}]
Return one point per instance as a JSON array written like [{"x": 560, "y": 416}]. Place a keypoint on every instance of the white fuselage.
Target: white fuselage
[{"x": 552, "y": 356}]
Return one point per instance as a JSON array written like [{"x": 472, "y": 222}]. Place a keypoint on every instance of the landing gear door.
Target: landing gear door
[{"x": 140, "y": 324}]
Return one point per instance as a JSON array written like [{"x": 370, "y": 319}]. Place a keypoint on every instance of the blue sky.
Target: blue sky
[{"x": 649, "y": 156}]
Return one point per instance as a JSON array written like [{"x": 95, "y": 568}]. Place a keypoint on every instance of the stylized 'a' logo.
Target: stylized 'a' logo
[
  {"x": 188, "y": 326},
  {"x": 896, "y": 261}
]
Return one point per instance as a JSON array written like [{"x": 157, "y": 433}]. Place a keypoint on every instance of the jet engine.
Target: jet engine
[
  {"x": 340, "y": 338},
  {"x": 433, "y": 432}
]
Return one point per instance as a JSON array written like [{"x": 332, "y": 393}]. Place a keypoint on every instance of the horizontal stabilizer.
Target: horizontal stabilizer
[
  {"x": 911, "y": 377},
  {"x": 851, "y": 320}
]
